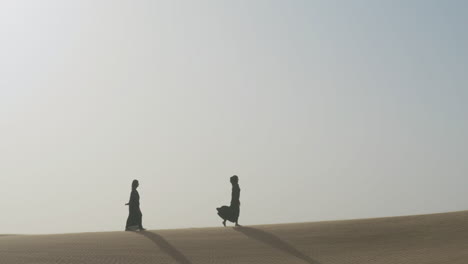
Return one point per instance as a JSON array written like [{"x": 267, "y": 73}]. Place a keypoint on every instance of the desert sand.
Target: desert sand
[{"x": 436, "y": 238}]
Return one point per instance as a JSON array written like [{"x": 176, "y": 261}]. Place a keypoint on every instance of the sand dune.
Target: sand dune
[{"x": 437, "y": 238}]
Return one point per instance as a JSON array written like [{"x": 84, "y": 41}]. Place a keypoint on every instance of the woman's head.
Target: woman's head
[
  {"x": 234, "y": 179},
  {"x": 135, "y": 184}
]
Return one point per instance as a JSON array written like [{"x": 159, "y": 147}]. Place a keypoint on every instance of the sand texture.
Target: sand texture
[{"x": 437, "y": 238}]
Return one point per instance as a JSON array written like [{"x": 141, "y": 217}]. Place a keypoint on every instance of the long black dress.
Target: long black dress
[
  {"x": 231, "y": 212},
  {"x": 134, "y": 219}
]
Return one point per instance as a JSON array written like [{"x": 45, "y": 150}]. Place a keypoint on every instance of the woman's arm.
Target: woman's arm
[{"x": 132, "y": 199}]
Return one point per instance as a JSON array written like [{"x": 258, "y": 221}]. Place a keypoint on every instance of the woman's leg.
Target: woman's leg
[
  {"x": 140, "y": 221},
  {"x": 237, "y": 212},
  {"x": 129, "y": 220}
]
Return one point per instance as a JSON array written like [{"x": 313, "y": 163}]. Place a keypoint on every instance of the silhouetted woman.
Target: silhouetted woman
[
  {"x": 231, "y": 213},
  {"x": 134, "y": 220}
]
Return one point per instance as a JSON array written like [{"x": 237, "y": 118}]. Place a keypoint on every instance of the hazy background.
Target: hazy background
[{"x": 325, "y": 110}]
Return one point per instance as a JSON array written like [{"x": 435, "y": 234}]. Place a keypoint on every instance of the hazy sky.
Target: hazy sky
[{"x": 325, "y": 110}]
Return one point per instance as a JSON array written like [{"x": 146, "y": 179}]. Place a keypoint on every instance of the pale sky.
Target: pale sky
[{"x": 325, "y": 109}]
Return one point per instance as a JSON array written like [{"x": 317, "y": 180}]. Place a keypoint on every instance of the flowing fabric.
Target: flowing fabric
[
  {"x": 231, "y": 213},
  {"x": 134, "y": 219}
]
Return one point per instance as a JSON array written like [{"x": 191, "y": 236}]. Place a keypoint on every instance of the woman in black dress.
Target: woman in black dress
[
  {"x": 231, "y": 212},
  {"x": 134, "y": 220}
]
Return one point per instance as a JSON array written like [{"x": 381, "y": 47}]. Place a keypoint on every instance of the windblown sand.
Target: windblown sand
[{"x": 437, "y": 238}]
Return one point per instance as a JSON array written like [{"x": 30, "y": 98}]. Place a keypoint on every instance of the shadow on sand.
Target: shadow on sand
[
  {"x": 275, "y": 242},
  {"x": 166, "y": 247}
]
